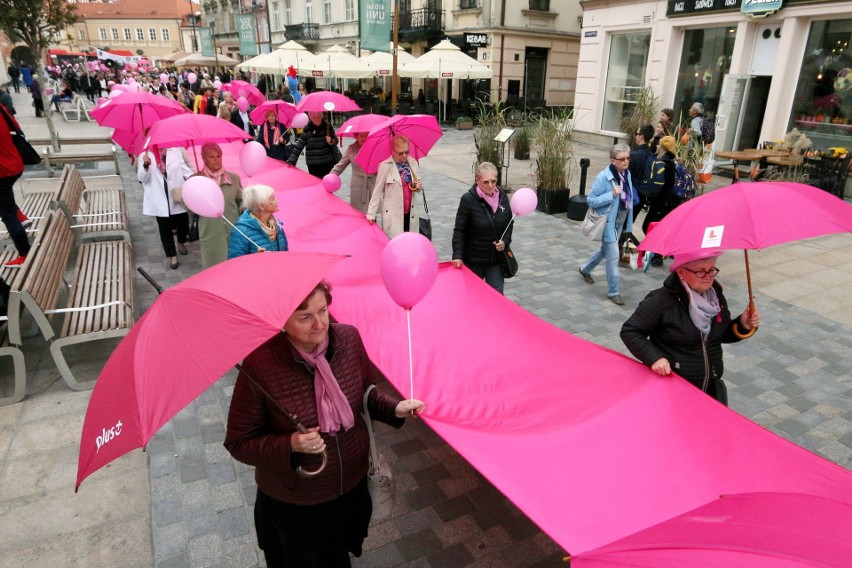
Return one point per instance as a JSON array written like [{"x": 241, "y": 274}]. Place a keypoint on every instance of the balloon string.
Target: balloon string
[
  {"x": 240, "y": 232},
  {"x": 512, "y": 220},
  {"x": 410, "y": 356}
]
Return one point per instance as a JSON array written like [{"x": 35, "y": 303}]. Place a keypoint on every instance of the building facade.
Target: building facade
[
  {"x": 531, "y": 45},
  {"x": 759, "y": 68}
]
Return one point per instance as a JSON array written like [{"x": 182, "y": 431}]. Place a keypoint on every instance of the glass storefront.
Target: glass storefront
[
  {"x": 822, "y": 108},
  {"x": 628, "y": 58},
  {"x": 705, "y": 60}
]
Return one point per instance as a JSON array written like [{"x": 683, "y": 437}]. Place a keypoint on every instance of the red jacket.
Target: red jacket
[
  {"x": 11, "y": 163},
  {"x": 259, "y": 434}
]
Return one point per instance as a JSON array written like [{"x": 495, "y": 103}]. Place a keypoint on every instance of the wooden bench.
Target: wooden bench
[
  {"x": 105, "y": 140},
  {"x": 99, "y": 213},
  {"x": 51, "y": 158},
  {"x": 18, "y": 388},
  {"x": 99, "y": 300}
]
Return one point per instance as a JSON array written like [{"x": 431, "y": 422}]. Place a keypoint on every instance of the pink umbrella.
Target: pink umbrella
[
  {"x": 135, "y": 111},
  {"x": 188, "y": 129},
  {"x": 360, "y": 123},
  {"x": 750, "y": 530},
  {"x": 422, "y": 130},
  {"x": 285, "y": 111},
  {"x": 129, "y": 141},
  {"x": 749, "y": 216},
  {"x": 243, "y": 89},
  {"x": 167, "y": 359},
  {"x": 326, "y": 101}
]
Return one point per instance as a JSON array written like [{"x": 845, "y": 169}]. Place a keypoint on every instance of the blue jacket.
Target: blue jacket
[
  {"x": 238, "y": 245},
  {"x": 600, "y": 198}
]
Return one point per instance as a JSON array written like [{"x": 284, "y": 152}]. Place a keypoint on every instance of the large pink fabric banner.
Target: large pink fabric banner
[{"x": 590, "y": 444}]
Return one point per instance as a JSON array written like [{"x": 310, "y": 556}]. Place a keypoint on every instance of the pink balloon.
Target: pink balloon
[
  {"x": 48, "y": 91},
  {"x": 131, "y": 81},
  {"x": 252, "y": 158},
  {"x": 242, "y": 104},
  {"x": 192, "y": 78},
  {"x": 114, "y": 93},
  {"x": 331, "y": 182},
  {"x": 164, "y": 78},
  {"x": 101, "y": 100},
  {"x": 299, "y": 121},
  {"x": 409, "y": 268},
  {"x": 243, "y": 92},
  {"x": 204, "y": 196},
  {"x": 110, "y": 83},
  {"x": 524, "y": 202},
  {"x": 217, "y": 84}
]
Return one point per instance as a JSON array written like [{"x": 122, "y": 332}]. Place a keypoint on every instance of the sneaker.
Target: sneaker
[
  {"x": 587, "y": 277},
  {"x": 16, "y": 262},
  {"x": 616, "y": 300},
  {"x": 657, "y": 260},
  {"x": 25, "y": 221}
]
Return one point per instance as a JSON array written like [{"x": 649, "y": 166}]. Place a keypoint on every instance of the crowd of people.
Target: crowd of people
[{"x": 319, "y": 370}]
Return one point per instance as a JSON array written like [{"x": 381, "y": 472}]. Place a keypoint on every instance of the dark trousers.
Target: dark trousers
[
  {"x": 493, "y": 275},
  {"x": 9, "y": 215},
  {"x": 320, "y": 170},
  {"x": 39, "y": 107},
  {"x": 178, "y": 222},
  {"x": 16, "y": 84}
]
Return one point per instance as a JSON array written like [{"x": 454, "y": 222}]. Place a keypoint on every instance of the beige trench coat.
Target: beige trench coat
[
  {"x": 214, "y": 233},
  {"x": 388, "y": 193},
  {"x": 361, "y": 184}
]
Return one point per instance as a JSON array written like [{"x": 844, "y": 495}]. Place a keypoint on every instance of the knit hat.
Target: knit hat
[
  {"x": 687, "y": 257},
  {"x": 668, "y": 144}
]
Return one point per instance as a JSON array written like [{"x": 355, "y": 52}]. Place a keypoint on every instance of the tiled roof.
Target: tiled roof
[{"x": 139, "y": 9}]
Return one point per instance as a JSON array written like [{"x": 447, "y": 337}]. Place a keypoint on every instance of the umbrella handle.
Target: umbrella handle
[
  {"x": 311, "y": 473},
  {"x": 737, "y": 333}
]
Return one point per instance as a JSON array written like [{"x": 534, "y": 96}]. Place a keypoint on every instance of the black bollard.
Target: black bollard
[{"x": 577, "y": 205}]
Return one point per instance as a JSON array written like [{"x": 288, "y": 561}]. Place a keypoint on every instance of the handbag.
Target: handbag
[
  {"x": 28, "y": 154},
  {"x": 425, "y": 222},
  {"x": 338, "y": 155},
  {"x": 193, "y": 229},
  {"x": 380, "y": 481},
  {"x": 506, "y": 257}
]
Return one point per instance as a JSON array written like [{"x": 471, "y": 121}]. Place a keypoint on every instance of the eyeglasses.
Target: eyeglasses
[
  {"x": 703, "y": 273},
  {"x": 627, "y": 159}
]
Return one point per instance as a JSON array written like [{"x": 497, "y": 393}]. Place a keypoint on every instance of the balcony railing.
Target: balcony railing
[
  {"x": 424, "y": 22},
  {"x": 302, "y": 32}
]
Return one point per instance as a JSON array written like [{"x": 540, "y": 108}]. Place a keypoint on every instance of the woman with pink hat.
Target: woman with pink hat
[{"x": 680, "y": 328}]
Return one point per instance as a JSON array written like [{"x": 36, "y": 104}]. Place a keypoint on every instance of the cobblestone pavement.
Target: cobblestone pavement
[{"x": 794, "y": 377}]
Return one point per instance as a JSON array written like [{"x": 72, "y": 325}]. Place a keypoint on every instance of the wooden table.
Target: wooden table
[{"x": 750, "y": 155}]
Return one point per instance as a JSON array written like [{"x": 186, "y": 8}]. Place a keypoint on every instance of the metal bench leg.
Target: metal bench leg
[
  {"x": 20, "y": 375},
  {"x": 62, "y": 365}
]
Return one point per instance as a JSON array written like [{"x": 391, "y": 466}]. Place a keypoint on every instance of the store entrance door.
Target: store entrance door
[{"x": 741, "y": 107}]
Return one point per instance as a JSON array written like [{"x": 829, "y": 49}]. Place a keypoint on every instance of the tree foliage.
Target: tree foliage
[{"x": 36, "y": 23}]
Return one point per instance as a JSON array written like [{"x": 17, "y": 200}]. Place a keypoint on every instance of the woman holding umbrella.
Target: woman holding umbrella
[
  {"x": 681, "y": 327},
  {"x": 318, "y": 140},
  {"x": 397, "y": 184},
  {"x": 317, "y": 520},
  {"x": 275, "y": 137},
  {"x": 361, "y": 185}
]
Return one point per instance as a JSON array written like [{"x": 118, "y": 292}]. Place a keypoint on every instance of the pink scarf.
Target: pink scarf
[
  {"x": 492, "y": 200},
  {"x": 333, "y": 409},
  {"x": 220, "y": 177}
]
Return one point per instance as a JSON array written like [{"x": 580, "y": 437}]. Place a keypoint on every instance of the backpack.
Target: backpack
[
  {"x": 653, "y": 178},
  {"x": 708, "y": 129},
  {"x": 684, "y": 184}
]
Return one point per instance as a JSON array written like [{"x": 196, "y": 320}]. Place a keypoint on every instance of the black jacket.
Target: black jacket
[
  {"x": 473, "y": 234},
  {"x": 638, "y": 160},
  {"x": 237, "y": 120},
  {"x": 312, "y": 140},
  {"x": 661, "y": 327}
]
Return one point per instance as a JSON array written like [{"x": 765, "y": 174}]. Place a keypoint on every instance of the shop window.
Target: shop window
[
  {"x": 540, "y": 5},
  {"x": 704, "y": 62},
  {"x": 822, "y": 108},
  {"x": 625, "y": 78}
]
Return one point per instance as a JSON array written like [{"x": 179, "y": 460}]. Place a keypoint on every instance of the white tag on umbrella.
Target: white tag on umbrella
[{"x": 713, "y": 237}]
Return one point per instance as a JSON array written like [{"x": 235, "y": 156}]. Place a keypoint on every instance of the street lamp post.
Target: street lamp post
[
  {"x": 192, "y": 24},
  {"x": 256, "y": 6},
  {"x": 213, "y": 38}
]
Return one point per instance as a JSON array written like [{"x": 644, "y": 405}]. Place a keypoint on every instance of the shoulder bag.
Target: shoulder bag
[
  {"x": 593, "y": 224},
  {"x": 507, "y": 259},
  {"x": 28, "y": 154},
  {"x": 425, "y": 222},
  {"x": 380, "y": 480}
]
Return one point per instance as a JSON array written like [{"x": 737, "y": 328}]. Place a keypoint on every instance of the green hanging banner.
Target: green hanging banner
[
  {"x": 246, "y": 33},
  {"x": 375, "y": 21}
]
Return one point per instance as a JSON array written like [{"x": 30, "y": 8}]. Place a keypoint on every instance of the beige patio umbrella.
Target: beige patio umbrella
[
  {"x": 336, "y": 62},
  {"x": 445, "y": 61},
  {"x": 381, "y": 62},
  {"x": 278, "y": 60},
  {"x": 174, "y": 56},
  {"x": 197, "y": 59}
]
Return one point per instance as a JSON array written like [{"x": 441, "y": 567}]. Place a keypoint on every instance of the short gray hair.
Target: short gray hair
[
  {"x": 618, "y": 149},
  {"x": 256, "y": 195},
  {"x": 483, "y": 167},
  {"x": 699, "y": 108}
]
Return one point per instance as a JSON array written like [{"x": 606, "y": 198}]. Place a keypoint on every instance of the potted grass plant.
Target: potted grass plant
[
  {"x": 522, "y": 142},
  {"x": 553, "y": 161},
  {"x": 492, "y": 119}
]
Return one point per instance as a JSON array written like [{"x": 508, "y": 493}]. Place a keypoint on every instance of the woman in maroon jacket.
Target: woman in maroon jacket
[
  {"x": 11, "y": 168},
  {"x": 318, "y": 372}
]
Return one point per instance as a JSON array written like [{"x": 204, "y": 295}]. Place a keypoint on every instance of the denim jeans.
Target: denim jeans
[
  {"x": 608, "y": 251},
  {"x": 493, "y": 275},
  {"x": 9, "y": 215}
]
